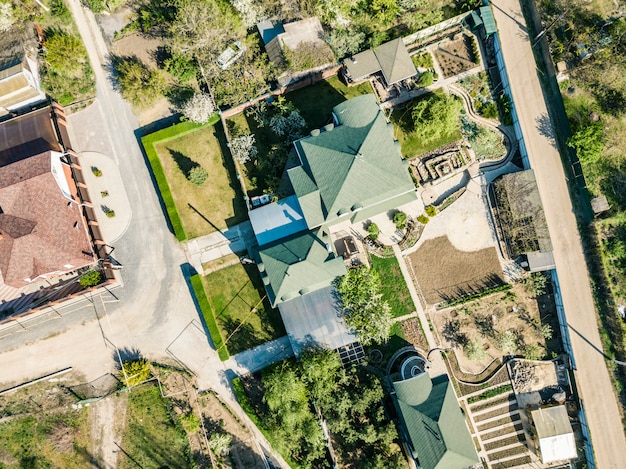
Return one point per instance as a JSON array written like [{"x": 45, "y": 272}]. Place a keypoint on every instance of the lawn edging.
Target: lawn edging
[
  {"x": 149, "y": 141},
  {"x": 209, "y": 318}
]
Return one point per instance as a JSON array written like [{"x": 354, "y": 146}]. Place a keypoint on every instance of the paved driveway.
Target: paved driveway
[{"x": 592, "y": 377}]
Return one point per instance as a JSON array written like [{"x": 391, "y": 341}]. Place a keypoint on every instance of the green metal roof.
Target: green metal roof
[
  {"x": 435, "y": 425},
  {"x": 297, "y": 265},
  {"x": 488, "y": 20},
  {"x": 354, "y": 166}
]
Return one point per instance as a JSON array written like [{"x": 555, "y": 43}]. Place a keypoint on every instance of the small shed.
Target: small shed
[
  {"x": 391, "y": 59},
  {"x": 488, "y": 20},
  {"x": 600, "y": 205},
  {"x": 554, "y": 433}
]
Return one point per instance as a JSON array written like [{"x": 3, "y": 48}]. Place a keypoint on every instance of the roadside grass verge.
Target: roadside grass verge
[
  {"x": 153, "y": 437},
  {"x": 238, "y": 303},
  {"x": 411, "y": 145},
  {"x": 394, "y": 288},
  {"x": 209, "y": 317}
]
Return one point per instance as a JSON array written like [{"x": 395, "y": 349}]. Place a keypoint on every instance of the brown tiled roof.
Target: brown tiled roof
[{"x": 40, "y": 230}]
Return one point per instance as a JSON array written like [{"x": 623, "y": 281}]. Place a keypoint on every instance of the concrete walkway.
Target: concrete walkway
[
  {"x": 260, "y": 357},
  {"x": 216, "y": 245},
  {"x": 437, "y": 366}
]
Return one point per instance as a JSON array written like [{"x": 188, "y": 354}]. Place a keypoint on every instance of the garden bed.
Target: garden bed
[
  {"x": 518, "y": 438},
  {"x": 496, "y": 423},
  {"x": 456, "y": 55},
  {"x": 501, "y": 432},
  {"x": 233, "y": 293},
  {"x": 394, "y": 289}
]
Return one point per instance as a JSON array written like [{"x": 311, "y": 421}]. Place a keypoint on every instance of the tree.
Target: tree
[
  {"x": 436, "y": 116},
  {"x": 322, "y": 372},
  {"x": 250, "y": 11},
  {"x": 474, "y": 351},
  {"x": 220, "y": 443},
  {"x": 373, "y": 231},
  {"x": 135, "y": 372},
  {"x": 533, "y": 352},
  {"x": 430, "y": 210},
  {"x": 588, "y": 143},
  {"x": 364, "y": 309},
  {"x": 6, "y": 16},
  {"x": 426, "y": 79},
  {"x": 399, "y": 219},
  {"x": 181, "y": 66},
  {"x": 91, "y": 278},
  {"x": 199, "y": 108},
  {"x": 385, "y": 11},
  {"x": 346, "y": 41},
  {"x": 198, "y": 175},
  {"x": 506, "y": 342},
  {"x": 203, "y": 27},
  {"x": 65, "y": 53},
  {"x": 288, "y": 125},
  {"x": 243, "y": 148},
  {"x": 138, "y": 84}
]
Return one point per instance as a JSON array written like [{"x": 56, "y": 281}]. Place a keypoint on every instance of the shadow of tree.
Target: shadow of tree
[
  {"x": 184, "y": 163},
  {"x": 545, "y": 127},
  {"x": 245, "y": 337}
]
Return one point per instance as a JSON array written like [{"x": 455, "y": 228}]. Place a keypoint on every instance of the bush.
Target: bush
[
  {"x": 181, "y": 67},
  {"x": 91, "y": 278},
  {"x": 198, "y": 175},
  {"x": 431, "y": 210},
  {"x": 191, "y": 423},
  {"x": 97, "y": 6},
  {"x": 423, "y": 60},
  {"x": 489, "y": 110},
  {"x": 490, "y": 393},
  {"x": 533, "y": 352},
  {"x": 138, "y": 84},
  {"x": 135, "y": 372},
  {"x": 199, "y": 109},
  {"x": 243, "y": 148},
  {"x": 373, "y": 231},
  {"x": 96, "y": 171},
  {"x": 474, "y": 351},
  {"x": 423, "y": 219},
  {"x": 59, "y": 9},
  {"x": 426, "y": 79},
  {"x": 399, "y": 219},
  {"x": 108, "y": 212}
]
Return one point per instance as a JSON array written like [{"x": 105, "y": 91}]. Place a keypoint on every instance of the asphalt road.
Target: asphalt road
[{"x": 592, "y": 377}]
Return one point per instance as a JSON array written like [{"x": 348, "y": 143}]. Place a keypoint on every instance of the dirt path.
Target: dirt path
[{"x": 104, "y": 419}]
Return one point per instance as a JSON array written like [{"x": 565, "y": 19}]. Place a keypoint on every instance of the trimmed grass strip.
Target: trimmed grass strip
[{"x": 209, "y": 317}]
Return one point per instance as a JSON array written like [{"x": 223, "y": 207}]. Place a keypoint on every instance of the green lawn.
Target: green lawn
[
  {"x": 214, "y": 205},
  {"x": 411, "y": 145},
  {"x": 233, "y": 292},
  {"x": 394, "y": 288},
  {"x": 57, "y": 438},
  {"x": 315, "y": 104},
  {"x": 153, "y": 437}
]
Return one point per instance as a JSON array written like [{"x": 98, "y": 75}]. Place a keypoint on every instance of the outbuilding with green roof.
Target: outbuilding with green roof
[{"x": 433, "y": 424}]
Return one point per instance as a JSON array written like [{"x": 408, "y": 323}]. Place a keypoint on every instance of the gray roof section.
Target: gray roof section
[
  {"x": 395, "y": 61},
  {"x": 315, "y": 319},
  {"x": 277, "y": 220},
  {"x": 362, "y": 65},
  {"x": 391, "y": 58},
  {"x": 269, "y": 30}
]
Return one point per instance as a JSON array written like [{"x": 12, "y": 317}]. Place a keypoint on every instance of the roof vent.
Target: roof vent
[
  {"x": 315, "y": 132},
  {"x": 329, "y": 127}
]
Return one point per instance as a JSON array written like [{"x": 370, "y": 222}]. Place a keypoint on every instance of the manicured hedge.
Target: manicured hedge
[
  {"x": 209, "y": 317},
  {"x": 148, "y": 142}
]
